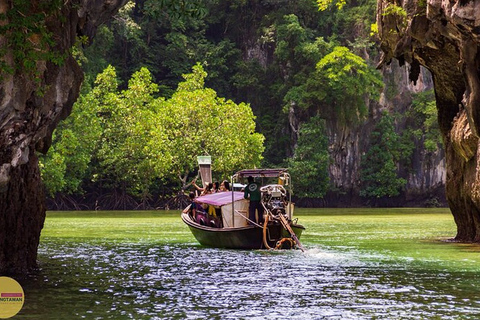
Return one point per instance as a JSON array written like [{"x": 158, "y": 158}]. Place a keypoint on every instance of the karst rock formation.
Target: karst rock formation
[
  {"x": 444, "y": 37},
  {"x": 39, "y": 82}
]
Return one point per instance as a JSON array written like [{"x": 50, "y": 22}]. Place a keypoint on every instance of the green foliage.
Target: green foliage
[
  {"x": 352, "y": 26},
  {"x": 198, "y": 123},
  {"x": 325, "y": 4},
  {"x": 27, "y": 36},
  {"x": 128, "y": 157},
  {"x": 68, "y": 161},
  {"x": 374, "y": 29},
  {"x": 93, "y": 58},
  {"x": 339, "y": 87},
  {"x": 396, "y": 10},
  {"x": 350, "y": 82},
  {"x": 53, "y": 169},
  {"x": 177, "y": 9},
  {"x": 378, "y": 177},
  {"x": 399, "y": 13},
  {"x": 310, "y": 162},
  {"x": 129, "y": 139},
  {"x": 424, "y": 115},
  {"x": 322, "y": 77},
  {"x": 291, "y": 36},
  {"x": 261, "y": 52},
  {"x": 298, "y": 53}
]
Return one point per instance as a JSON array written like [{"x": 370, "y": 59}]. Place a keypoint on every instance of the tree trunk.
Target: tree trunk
[
  {"x": 37, "y": 90},
  {"x": 441, "y": 36}
]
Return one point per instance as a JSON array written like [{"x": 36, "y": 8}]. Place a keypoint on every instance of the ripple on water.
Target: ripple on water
[{"x": 145, "y": 281}]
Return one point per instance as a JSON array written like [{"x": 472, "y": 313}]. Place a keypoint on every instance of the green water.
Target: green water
[{"x": 359, "y": 264}]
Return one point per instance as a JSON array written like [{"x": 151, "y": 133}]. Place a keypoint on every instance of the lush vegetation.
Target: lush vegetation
[
  {"x": 130, "y": 141},
  {"x": 379, "y": 165},
  {"x": 257, "y": 83},
  {"x": 27, "y": 37},
  {"x": 311, "y": 160}
]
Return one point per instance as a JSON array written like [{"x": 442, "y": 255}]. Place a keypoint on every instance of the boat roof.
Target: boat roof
[
  {"x": 220, "y": 198},
  {"x": 268, "y": 173}
]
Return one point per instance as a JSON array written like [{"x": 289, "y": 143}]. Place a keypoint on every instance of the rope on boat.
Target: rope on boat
[{"x": 253, "y": 222}]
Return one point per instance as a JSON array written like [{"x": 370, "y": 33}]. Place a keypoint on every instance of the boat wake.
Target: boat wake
[{"x": 328, "y": 257}]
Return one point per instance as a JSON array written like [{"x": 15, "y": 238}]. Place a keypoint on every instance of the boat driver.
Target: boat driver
[{"x": 252, "y": 192}]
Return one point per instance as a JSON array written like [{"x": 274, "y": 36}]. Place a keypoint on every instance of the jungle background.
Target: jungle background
[{"x": 271, "y": 83}]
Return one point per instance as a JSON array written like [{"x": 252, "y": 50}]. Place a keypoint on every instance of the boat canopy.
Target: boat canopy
[
  {"x": 220, "y": 198},
  {"x": 267, "y": 173}
]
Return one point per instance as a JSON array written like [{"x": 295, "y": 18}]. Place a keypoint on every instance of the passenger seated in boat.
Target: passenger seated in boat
[
  {"x": 201, "y": 216},
  {"x": 214, "y": 216},
  {"x": 192, "y": 209},
  {"x": 208, "y": 215},
  {"x": 216, "y": 187},
  {"x": 211, "y": 211},
  {"x": 224, "y": 186}
]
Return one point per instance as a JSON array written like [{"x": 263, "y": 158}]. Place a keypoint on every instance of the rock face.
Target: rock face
[
  {"x": 32, "y": 102},
  {"x": 425, "y": 173},
  {"x": 444, "y": 37}
]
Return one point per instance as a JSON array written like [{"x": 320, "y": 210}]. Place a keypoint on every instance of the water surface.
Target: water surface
[{"x": 358, "y": 265}]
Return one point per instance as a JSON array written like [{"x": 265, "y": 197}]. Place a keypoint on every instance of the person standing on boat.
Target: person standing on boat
[{"x": 252, "y": 193}]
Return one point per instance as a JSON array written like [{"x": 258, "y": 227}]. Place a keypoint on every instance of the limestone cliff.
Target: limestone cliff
[
  {"x": 443, "y": 36},
  {"x": 37, "y": 90},
  {"x": 424, "y": 173}
]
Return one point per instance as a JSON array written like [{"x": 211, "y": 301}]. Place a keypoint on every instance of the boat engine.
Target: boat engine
[{"x": 274, "y": 197}]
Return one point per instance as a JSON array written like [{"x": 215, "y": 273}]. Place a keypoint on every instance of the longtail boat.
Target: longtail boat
[{"x": 221, "y": 220}]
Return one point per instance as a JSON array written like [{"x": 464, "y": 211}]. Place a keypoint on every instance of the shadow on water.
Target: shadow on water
[{"x": 186, "y": 281}]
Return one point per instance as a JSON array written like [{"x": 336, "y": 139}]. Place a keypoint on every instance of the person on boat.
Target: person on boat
[
  {"x": 216, "y": 187},
  {"x": 204, "y": 191},
  {"x": 224, "y": 186},
  {"x": 252, "y": 193},
  {"x": 192, "y": 210}
]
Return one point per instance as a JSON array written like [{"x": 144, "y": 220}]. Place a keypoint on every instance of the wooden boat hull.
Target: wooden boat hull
[{"x": 249, "y": 237}]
